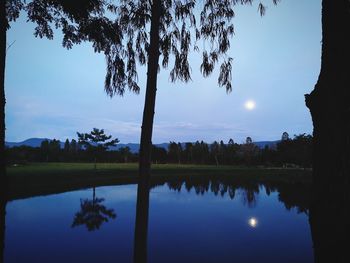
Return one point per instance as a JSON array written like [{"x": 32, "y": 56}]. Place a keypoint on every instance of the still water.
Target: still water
[{"x": 187, "y": 222}]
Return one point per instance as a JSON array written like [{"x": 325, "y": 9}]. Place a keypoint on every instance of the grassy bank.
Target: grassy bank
[{"x": 46, "y": 178}]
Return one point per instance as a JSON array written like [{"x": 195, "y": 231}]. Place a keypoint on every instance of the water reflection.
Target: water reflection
[
  {"x": 92, "y": 213},
  {"x": 330, "y": 222},
  {"x": 253, "y": 222},
  {"x": 2, "y": 223},
  {"x": 328, "y": 213},
  {"x": 141, "y": 223},
  {"x": 248, "y": 192},
  {"x": 291, "y": 195}
]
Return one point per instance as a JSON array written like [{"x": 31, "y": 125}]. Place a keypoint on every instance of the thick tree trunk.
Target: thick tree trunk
[
  {"x": 329, "y": 104},
  {"x": 3, "y": 23},
  {"x": 151, "y": 89}
]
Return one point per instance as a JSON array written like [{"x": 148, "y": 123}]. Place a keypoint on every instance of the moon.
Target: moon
[{"x": 249, "y": 105}]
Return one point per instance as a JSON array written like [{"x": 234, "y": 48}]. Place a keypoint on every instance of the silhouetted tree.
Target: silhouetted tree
[
  {"x": 248, "y": 140},
  {"x": 285, "y": 136},
  {"x": 44, "y": 147},
  {"x": 159, "y": 155},
  {"x": 329, "y": 105},
  {"x": 222, "y": 152},
  {"x": 73, "y": 149},
  {"x": 66, "y": 151},
  {"x": 188, "y": 152},
  {"x": 96, "y": 142},
  {"x": 174, "y": 152},
  {"x": 200, "y": 152},
  {"x": 231, "y": 152},
  {"x": 215, "y": 151},
  {"x": 81, "y": 20},
  {"x": 329, "y": 102},
  {"x": 54, "y": 150},
  {"x": 125, "y": 152},
  {"x": 174, "y": 31},
  {"x": 297, "y": 151},
  {"x": 249, "y": 151},
  {"x": 66, "y": 146},
  {"x": 50, "y": 150}
]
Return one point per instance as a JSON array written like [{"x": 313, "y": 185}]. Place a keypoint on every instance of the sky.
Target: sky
[{"x": 52, "y": 92}]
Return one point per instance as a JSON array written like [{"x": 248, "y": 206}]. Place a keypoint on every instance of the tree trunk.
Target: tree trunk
[
  {"x": 329, "y": 104},
  {"x": 3, "y": 23},
  {"x": 151, "y": 89}
]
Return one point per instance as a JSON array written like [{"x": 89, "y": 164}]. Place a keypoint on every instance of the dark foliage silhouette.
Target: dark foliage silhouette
[
  {"x": 96, "y": 142},
  {"x": 79, "y": 21},
  {"x": 165, "y": 30},
  {"x": 92, "y": 213},
  {"x": 294, "y": 153}
]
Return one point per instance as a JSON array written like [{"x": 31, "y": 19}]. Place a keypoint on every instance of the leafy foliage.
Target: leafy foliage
[
  {"x": 182, "y": 25},
  {"x": 96, "y": 139},
  {"x": 293, "y": 152}
]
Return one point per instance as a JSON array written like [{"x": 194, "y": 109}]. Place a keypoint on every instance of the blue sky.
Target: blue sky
[{"x": 53, "y": 92}]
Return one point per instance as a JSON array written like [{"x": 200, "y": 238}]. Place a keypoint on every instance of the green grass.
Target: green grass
[{"x": 46, "y": 178}]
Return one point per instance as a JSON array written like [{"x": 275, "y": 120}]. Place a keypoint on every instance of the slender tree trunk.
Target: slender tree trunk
[
  {"x": 151, "y": 89},
  {"x": 329, "y": 104},
  {"x": 3, "y": 23}
]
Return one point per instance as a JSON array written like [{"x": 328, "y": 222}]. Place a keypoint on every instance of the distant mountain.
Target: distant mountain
[
  {"x": 32, "y": 142},
  {"x": 134, "y": 147}
]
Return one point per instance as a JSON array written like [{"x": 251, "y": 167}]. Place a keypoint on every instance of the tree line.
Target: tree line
[{"x": 288, "y": 152}]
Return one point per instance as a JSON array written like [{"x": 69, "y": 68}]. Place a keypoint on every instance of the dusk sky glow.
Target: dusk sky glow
[{"x": 53, "y": 92}]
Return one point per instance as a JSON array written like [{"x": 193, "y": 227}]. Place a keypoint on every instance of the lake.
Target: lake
[{"x": 188, "y": 221}]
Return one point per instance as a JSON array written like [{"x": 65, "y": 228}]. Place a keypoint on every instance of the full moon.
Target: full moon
[{"x": 249, "y": 105}]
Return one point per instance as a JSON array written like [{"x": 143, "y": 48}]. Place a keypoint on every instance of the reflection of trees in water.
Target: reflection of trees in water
[
  {"x": 291, "y": 195},
  {"x": 92, "y": 213},
  {"x": 249, "y": 197},
  {"x": 249, "y": 190},
  {"x": 141, "y": 222},
  {"x": 3, "y": 203}
]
